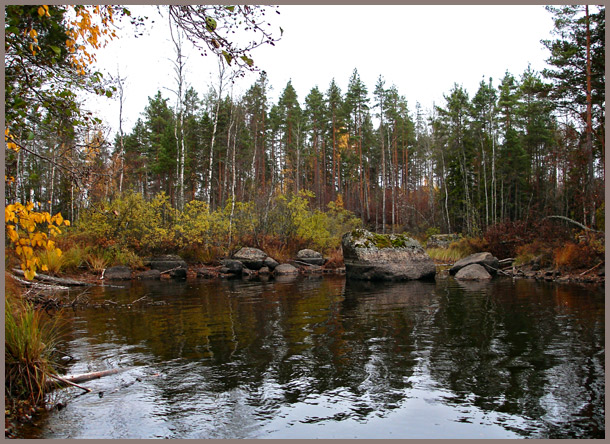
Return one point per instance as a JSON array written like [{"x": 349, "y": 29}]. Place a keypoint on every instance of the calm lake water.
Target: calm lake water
[{"x": 322, "y": 357}]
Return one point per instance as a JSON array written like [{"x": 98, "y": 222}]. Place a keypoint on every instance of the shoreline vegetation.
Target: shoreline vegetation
[{"x": 33, "y": 307}]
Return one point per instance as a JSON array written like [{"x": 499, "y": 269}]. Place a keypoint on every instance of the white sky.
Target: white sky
[{"x": 423, "y": 50}]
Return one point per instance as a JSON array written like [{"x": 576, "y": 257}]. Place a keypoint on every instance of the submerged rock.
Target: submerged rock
[
  {"x": 473, "y": 272},
  {"x": 371, "y": 256},
  {"x": 118, "y": 273},
  {"x": 149, "y": 275},
  {"x": 285, "y": 269},
  {"x": 487, "y": 260}
]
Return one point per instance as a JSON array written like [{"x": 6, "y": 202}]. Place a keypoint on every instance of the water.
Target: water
[{"x": 325, "y": 358}]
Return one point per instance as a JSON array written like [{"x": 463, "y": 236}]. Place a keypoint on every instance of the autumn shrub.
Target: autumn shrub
[
  {"x": 573, "y": 256},
  {"x": 131, "y": 222},
  {"x": 335, "y": 259},
  {"x": 96, "y": 262},
  {"x": 537, "y": 250},
  {"x": 29, "y": 233},
  {"x": 504, "y": 239}
]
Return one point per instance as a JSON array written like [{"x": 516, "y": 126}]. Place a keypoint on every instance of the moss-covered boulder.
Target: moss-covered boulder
[{"x": 393, "y": 257}]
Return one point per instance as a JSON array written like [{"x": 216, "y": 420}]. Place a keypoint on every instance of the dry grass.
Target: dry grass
[
  {"x": 52, "y": 260},
  {"x": 335, "y": 259},
  {"x": 30, "y": 340}
]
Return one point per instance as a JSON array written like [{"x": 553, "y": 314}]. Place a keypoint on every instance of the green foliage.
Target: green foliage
[{"x": 130, "y": 225}]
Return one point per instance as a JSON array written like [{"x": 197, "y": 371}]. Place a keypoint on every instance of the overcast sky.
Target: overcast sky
[{"x": 423, "y": 50}]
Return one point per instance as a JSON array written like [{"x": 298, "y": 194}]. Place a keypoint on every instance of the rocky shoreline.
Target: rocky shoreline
[{"x": 596, "y": 276}]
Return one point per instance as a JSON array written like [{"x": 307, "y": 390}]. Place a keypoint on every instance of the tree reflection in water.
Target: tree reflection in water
[{"x": 328, "y": 358}]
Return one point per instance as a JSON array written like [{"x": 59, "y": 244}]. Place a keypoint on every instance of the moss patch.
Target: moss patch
[{"x": 381, "y": 241}]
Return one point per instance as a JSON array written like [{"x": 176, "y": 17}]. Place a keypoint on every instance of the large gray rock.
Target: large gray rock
[
  {"x": 167, "y": 262},
  {"x": 310, "y": 257},
  {"x": 253, "y": 258},
  {"x": 371, "y": 256},
  {"x": 270, "y": 263},
  {"x": 487, "y": 260},
  {"x": 118, "y": 273},
  {"x": 473, "y": 272},
  {"x": 232, "y": 266},
  {"x": 285, "y": 269}
]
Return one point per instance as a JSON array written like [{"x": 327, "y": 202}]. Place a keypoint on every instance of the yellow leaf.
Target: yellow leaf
[
  {"x": 33, "y": 33},
  {"x": 29, "y": 274},
  {"x": 41, "y": 11},
  {"x": 12, "y": 234},
  {"x": 58, "y": 252},
  {"x": 44, "y": 268}
]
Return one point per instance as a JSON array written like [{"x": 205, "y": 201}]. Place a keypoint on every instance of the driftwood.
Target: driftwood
[
  {"x": 67, "y": 382},
  {"x": 39, "y": 286},
  {"x": 506, "y": 262},
  {"x": 572, "y": 221},
  {"x": 171, "y": 269},
  {"x": 591, "y": 269},
  {"x": 83, "y": 377},
  {"x": 54, "y": 280}
]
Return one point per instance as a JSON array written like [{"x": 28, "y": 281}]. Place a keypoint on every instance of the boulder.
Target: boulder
[
  {"x": 284, "y": 269},
  {"x": 270, "y": 263},
  {"x": 370, "y": 256},
  {"x": 264, "y": 271},
  {"x": 253, "y": 258},
  {"x": 487, "y": 260},
  {"x": 149, "y": 275},
  {"x": 118, "y": 273},
  {"x": 441, "y": 240},
  {"x": 232, "y": 266},
  {"x": 310, "y": 257},
  {"x": 178, "y": 273},
  {"x": 473, "y": 272},
  {"x": 167, "y": 262}
]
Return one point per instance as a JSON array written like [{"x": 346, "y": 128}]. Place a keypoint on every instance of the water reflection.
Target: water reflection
[{"x": 322, "y": 357}]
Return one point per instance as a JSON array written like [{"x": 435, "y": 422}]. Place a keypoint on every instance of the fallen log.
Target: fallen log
[
  {"x": 39, "y": 286},
  {"x": 591, "y": 269},
  {"x": 572, "y": 221},
  {"x": 54, "y": 280},
  {"x": 83, "y": 377},
  {"x": 66, "y": 382}
]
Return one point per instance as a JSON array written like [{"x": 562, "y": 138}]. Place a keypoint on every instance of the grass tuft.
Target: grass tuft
[{"x": 30, "y": 340}]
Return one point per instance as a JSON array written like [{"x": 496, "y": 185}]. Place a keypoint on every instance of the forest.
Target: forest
[{"x": 525, "y": 146}]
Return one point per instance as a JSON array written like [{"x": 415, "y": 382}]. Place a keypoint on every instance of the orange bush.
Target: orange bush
[{"x": 573, "y": 256}]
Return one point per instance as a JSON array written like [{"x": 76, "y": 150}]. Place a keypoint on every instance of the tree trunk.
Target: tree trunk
[{"x": 590, "y": 197}]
